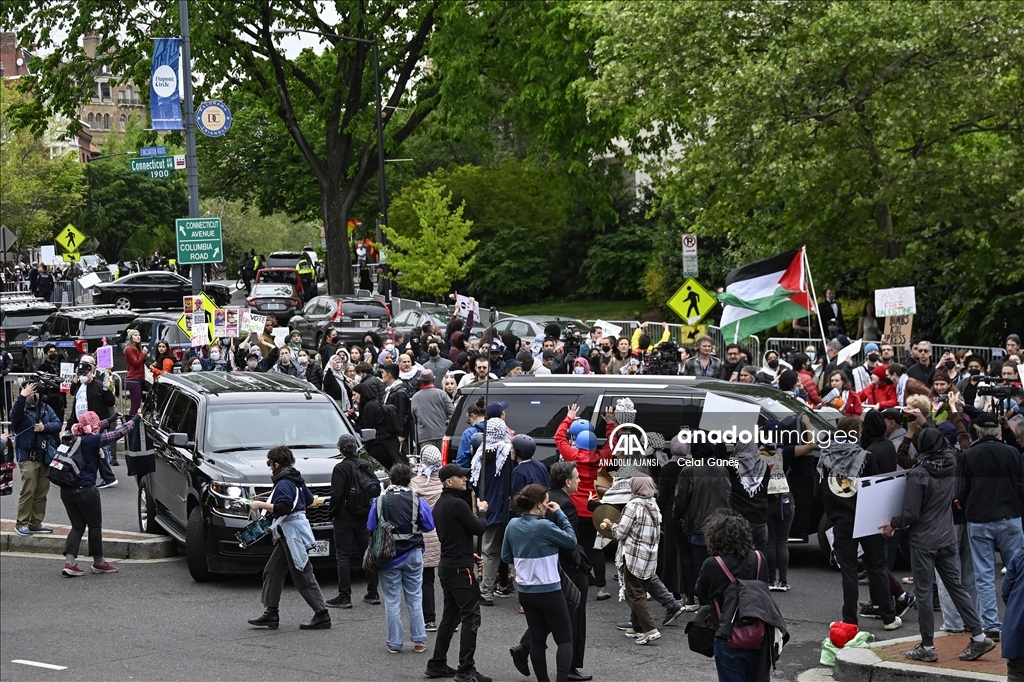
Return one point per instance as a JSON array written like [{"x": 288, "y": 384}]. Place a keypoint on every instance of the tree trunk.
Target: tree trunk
[
  {"x": 883, "y": 219},
  {"x": 339, "y": 251}
]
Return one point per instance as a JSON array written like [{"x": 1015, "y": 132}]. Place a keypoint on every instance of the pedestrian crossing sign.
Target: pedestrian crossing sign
[
  {"x": 692, "y": 302},
  {"x": 70, "y": 239},
  {"x": 205, "y": 304}
]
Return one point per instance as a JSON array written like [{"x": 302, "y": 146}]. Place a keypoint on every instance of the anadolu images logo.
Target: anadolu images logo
[
  {"x": 630, "y": 441},
  {"x": 165, "y": 81}
]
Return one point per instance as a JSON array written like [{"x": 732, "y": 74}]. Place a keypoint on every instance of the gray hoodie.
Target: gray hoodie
[{"x": 926, "y": 503}]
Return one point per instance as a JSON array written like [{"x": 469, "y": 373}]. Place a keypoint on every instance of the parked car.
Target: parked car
[
  {"x": 351, "y": 316},
  {"x": 537, "y": 405},
  {"x": 210, "y": 433},
  {"x": 94, "y": 262},
  {"x": 279, "y": 300},
  {"x": 77, "y": 331},
  {"x": 289, "y": 276},
  {"x": 153, "y": 289},
  {"x": 154, "y": 327},
  {"x": 285, "y": 259},
  {"x": 18, "y": 314},
  {"x": 529, "y": 328},
  {"x": 408, "y": 320}
]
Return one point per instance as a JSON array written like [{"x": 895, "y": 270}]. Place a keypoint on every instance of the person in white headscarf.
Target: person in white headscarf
[
  {"x": 428, "y": 486},
  {"x": 750, "y": 491},
  {"x": 491, "y": 476},
  {"x": 336, "y": 384}
]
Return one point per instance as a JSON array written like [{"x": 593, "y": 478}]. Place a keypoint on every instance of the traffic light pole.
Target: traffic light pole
[{"x": 190, "y": 134}]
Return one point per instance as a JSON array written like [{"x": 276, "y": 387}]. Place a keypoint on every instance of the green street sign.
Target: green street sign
[
  {"x": 199, "y": 240},
  {"x": 153, "y": 163},
  {"x": 157, "y": 174}
]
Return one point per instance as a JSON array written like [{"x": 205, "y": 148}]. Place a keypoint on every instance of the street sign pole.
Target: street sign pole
[{"x": 190, "y": 133}]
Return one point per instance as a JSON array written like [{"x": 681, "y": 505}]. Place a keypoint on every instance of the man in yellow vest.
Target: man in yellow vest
[{"x": 308, "y": 276}]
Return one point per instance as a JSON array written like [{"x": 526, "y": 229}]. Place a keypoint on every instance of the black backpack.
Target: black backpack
[
  {"x": 67, "y": 464},
  {"x": 392, "y": 422},
  {"x": 364, "y": 489}
]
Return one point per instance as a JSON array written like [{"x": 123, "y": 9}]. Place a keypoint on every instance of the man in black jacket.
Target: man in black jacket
[
  {"x": 565, "y": 479},
  {"x": 56, "y": 400},
  {"x": 928, "y": 515},
  {"x": 990, "y": 485},
  {"x": 830, "y": 308},
  {"x": 383, "y": 448},
  {"x": 456, "y": 527},
  {"x": 349, "y": 511}
]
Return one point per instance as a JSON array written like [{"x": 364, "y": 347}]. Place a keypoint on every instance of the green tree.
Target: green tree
[
  {"x": 884, "y": 136},
  {"x": 245, "y": 228},
  {"x": 37, "y": 193},
  {"x": 440, "y": 252}
]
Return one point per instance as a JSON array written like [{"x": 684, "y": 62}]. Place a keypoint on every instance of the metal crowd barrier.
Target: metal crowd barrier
[
  {"x": 65, "y": 292},
  {"x": 782, "y": 345},
  {"x": 988, "y": 353}
]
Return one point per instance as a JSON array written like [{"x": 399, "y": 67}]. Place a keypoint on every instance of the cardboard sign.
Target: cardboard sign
[
  {"x": 220, "y": 322},
  {"x": 89, "y": 280},
  {"x": 777, "y": 483},
  {"x": 897, "y": 301},
  {"x": 608, "y": 329},
  {"x": 898, "y": 329},
  {"x": 203, "y": 305},
  {"x": 231, "y": 325},
  {"x": 200, "y": 335},
  {"x": 462, "y": 307},
  {"x": 879, "y": 499},
  {"x": 247, "y": 322},
  {"x": 846, "y": 353},
  {"x": 105, "y": 357}
]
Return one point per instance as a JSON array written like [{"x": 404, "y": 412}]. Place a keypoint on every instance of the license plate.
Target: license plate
[
  {"x": 321, "y": 548},
  {"x": 366, "y": 324},
  {"x": 274, "y": 306}
]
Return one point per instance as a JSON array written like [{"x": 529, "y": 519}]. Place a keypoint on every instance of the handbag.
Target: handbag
[
  {"x": 569, "y": 591},
  {"x": 700, "y": 632}
]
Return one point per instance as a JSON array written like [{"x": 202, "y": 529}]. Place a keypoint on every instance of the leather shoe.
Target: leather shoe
[
  {"x": 576, "y": 676},
  {"x": 269, "y": 619},
  {"x": 321, "y": 621},
  {"x": 520, "y": 659}
]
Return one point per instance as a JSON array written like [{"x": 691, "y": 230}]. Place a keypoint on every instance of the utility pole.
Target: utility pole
[{"x": 190, "y": 134}]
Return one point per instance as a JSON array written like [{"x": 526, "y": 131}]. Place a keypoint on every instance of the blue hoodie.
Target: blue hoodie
[{"x": 531, "y": 543}]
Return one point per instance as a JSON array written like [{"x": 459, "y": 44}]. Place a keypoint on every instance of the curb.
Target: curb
[
  {"x": 140, "y": 547},
  {"x": 861, "y": 664}
]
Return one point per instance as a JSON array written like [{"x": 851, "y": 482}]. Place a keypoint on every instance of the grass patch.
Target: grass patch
[{"x": 584, "y": 310}]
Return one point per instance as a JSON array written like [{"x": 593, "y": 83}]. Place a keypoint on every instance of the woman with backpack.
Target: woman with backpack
[
  {"x": 292, "y": 539},
  {"x": 731, "y": 548},
  {"x": 81, "y": 498},
  {"x": 531, "y": 542}
]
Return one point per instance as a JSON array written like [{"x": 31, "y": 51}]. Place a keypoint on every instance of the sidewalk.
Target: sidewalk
[
  {"x": 883, "y": 661},
  {"x": 117, "y": 544}
]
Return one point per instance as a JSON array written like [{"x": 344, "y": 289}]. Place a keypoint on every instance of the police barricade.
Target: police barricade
[
  {"x": 988, "y": 353},
  {"x": 783, "y": 345},
  {"x": 751, "y": 343},
  {"x": 628, "y": 326},
  {"x": 399, "y": 305}
]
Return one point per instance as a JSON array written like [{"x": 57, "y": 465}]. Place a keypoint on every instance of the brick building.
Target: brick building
[{"x": 113, "y": 102}]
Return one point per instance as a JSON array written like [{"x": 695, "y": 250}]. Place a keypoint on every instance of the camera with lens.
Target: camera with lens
[
  {"x": 571, "y": 340},
  {"x": 47, "y": 384},
  {"x": 665, "y": 361},
  {"x": 996, "y": 387}
]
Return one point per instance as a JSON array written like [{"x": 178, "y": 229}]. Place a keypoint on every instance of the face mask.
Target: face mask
[
  {"x": 774, "y": 364},
  {"x": 949, "y": 364},
  {"x": 197, "y": 367},
  {"x": 810, "y": 356},
  {"x": 303, "y": 360},
  {"x": 578, "y": 370},
  {"x": 286, "y": 359},
  {"x": 389, "y": 347},
  {"x": 872, "y": 357},
  {"x": 215, "y": 356},
  {"x": 434, "y": 352},
  {"x": 974, "y": 372}
]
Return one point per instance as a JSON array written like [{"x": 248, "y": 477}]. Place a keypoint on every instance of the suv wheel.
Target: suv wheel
[
  {"x": 195, "y": 547},
  {"x": 123, "y": 302},
  {"x": 147, "y": 512}
]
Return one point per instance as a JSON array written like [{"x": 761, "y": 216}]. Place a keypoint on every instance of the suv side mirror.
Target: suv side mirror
[
  {"x": 178, "y": 440},
  {"x": 368, "y": 435},
  {"x": 34, "y": 330}
]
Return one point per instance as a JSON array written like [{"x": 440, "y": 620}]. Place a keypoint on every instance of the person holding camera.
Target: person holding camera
[
  {"x": 94, "y": 396},
  {"x": 35, "y": 428}
]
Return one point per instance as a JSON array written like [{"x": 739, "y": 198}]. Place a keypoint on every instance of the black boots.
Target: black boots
[
  {"x": 269, "y": 619},
  {"x": 321, "y": 621}
]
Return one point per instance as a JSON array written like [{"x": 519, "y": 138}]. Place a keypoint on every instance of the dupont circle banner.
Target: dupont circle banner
[{"x": 164, "y": 102}]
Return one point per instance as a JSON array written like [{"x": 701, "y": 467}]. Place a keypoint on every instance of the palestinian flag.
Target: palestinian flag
[{"x": 764, "y": 294}]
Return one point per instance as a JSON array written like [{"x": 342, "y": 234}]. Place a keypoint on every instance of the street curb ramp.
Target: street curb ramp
[
  {"x": 861, "y": 664},
  {"x": 118, "y": 545}
]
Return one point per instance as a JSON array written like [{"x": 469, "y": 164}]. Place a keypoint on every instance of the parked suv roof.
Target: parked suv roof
[{"x": 239, "y": 382}]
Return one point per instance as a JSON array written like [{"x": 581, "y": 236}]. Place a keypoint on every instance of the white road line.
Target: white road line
[{"x": 37, "y": 664}]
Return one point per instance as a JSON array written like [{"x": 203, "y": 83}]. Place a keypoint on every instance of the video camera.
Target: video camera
[
  {"x": 572, "y": 339},
  {"x": 997, "y": 387},
  {"x": 665, "y": 361},
  {"x": 47, "y": 384}
]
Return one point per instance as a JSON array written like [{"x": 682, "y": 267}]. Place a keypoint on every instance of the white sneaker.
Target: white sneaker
[
  {"x": 112, "y": 484},
  {"x": 648, "y": 637},
  {"x": 895, "y": 625}
]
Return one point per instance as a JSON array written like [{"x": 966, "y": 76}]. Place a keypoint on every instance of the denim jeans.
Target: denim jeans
[
  {"x": 1006, "y": 536},
  {"x": 736, "y": 665},
  {"x": 405, "y": 577}
]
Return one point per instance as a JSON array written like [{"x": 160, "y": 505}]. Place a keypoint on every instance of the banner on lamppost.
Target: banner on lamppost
[{"x": 164, "y": 101}]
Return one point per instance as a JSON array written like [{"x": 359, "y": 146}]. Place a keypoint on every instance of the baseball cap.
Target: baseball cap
[
  {"x": 548, "y": 354},
  {"x": 496, "y": 347},
  {"x": 450, "y": 470},
  {"x": 348, "y": 443},
  {"x": 985, "y": 419},
  {"x": 495, "y": 409}
]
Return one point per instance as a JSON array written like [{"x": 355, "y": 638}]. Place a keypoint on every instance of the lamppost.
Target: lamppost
[{"x": 381, "y": 186}]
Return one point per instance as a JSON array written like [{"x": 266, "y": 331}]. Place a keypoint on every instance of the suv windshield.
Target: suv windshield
[
  {"x": 107, "y": 326},
  {"x": 301, "y": 424}
]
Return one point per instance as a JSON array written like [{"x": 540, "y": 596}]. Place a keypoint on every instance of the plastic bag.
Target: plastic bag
[{"x": 829, "y": 650}]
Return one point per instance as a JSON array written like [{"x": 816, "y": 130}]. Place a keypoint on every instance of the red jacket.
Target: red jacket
[
  {"x": 136, "y": 361},
  {"x": 882, "y": 394},
  {"x": 807, "y": 381},
  {"x": 587, "y": 463}
]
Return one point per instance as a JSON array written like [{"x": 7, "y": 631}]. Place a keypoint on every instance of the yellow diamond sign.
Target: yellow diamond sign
[
  {"x": 692, "y": 302},
  {"x": 70, "y": 239},
  {"x": 206, "y": 304}
]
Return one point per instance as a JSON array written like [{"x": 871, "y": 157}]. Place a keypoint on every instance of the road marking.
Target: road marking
[{"x": 48, "y": 666}]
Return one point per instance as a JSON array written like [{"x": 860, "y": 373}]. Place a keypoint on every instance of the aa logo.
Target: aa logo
[{"x": 630, "y": 441}]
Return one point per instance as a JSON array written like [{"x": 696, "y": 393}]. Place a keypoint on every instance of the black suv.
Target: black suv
[
  {"x": 154, "y": 327},
  {"x": 18, "y": 314},
  {"x": 210, "y": 433},
  {"x": 664, "y": 404},
  {"x": 77, "y": 331}
]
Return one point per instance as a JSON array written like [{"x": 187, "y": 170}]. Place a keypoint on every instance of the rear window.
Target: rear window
[
  {"x": 278, "y": 277},
  {"x": 273, "y": 290},
  {"x": 106, "y": 326},
  {"x": 23, "y": 318},
  {"x": 363, "y": 308},
  {"x": 172, "y": 334},
  {"x": 537, "y": 416}
]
